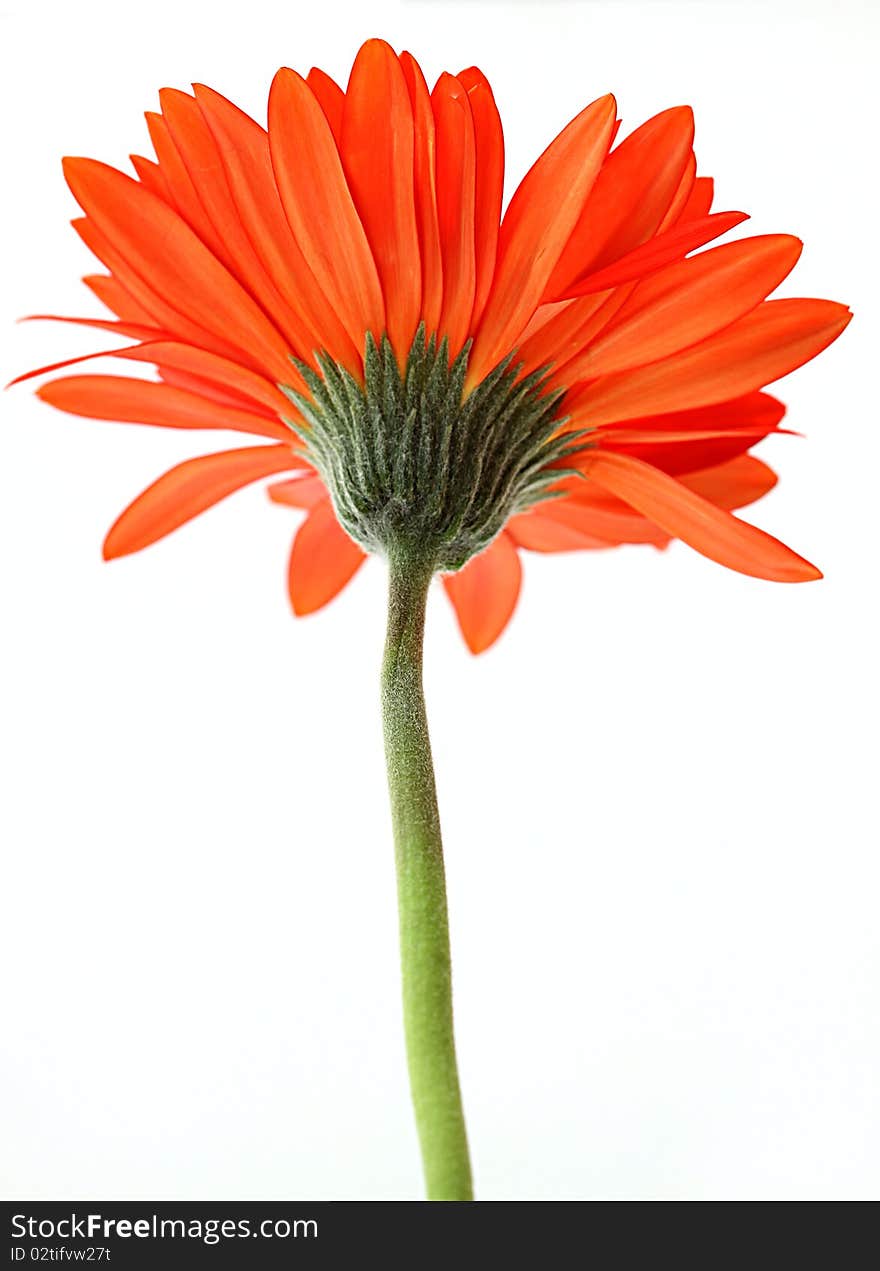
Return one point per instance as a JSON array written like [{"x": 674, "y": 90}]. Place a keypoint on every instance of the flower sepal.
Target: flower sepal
[{"x": 416, "y": 466}]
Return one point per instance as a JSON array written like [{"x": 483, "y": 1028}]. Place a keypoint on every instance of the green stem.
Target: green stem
[{"x": 421, "y": 891}]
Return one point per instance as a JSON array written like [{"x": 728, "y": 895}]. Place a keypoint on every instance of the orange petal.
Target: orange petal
[
  {"x": 210, "y": 389},
  {"x": 135, "y": 401},
  {"x": 244, "y": 147},
  {"x": 538, "y": 532},
  {"x": 230, "y": 375},
  {"x": 630, "y": 198},
  {"x": 322, "y": 560},
  {"x": 200, "y": 154},
  {"x": 690, "y": 440},
  {"x": 331, "y": 97},
  {"x": 158, "y": 244},
  {"x": 425, "y": 173},
  {"x": 542, "y": 315},
  {"x": 699, "y": 201},
  {"x": 456, "y": 205},
  {"x": 321, "y": 211},
  {"x": 730, "y": 484},
  {"x": 70, "y": 361},
  {"x": 377, "y": 154},
  {"x": 752, "y": 410},
  {"x": 489, "y": 142},
  {"x": 687, "y": 302},
  {"x": 595, "y": 512},
  {"x": 734, "y": 484},
  {"x": 681, "y": 196},
  {"x": 485, "y": 592},
  {"x": 766, "y": 344},
  {"x": 684, "y": 514},
  {"x": 151, "y": 176},
  {"x": 183, "y": 193},
  {"x": 536, "y": 226},
  {"x": 227, "y": 381},
  {"x": 111, "y": 292},
  {"x": 187, "y": 490},
  {"x": 299, "y": 492},
  {"x": 130, "y": 330},
  {"x": 572, "y": 326},
  {"x": 680, "y": 450},
  {"x": 163, "y": 316},
  {"x": 662, "y": 249}
]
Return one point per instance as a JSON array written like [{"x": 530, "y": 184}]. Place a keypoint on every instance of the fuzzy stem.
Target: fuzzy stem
[{"x": 421, "y": 891}]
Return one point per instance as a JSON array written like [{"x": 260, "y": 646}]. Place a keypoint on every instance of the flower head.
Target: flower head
[{"x": 438, "y": 378}]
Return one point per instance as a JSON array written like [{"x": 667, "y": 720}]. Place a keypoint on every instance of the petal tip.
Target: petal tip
[
  {"x": 168, "y": 96},
  {"x": 284, "y": 75},
  {"x": 305, "y": 605},
  {"x": 606, "y": 106},
  {"x": 475, "y": 648},
  {"x": 73, "y": 165},
  {"x": 681, "y": 115}
]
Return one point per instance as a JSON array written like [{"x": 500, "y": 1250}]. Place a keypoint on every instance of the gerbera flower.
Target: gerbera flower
[
  {"x": 446, "y": 386},
  {"x": 344, "y": 288}
]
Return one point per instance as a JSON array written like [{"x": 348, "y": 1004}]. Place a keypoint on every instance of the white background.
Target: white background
[{"x": 658, "y": 790}]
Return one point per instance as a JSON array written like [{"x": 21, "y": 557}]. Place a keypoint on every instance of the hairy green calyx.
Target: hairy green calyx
[{"x": 416, "y": 469}]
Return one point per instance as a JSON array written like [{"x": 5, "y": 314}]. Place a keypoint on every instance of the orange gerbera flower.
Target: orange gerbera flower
[
  {"x": 257, "y": 269},
  {"x": 445, "y": 385}
]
